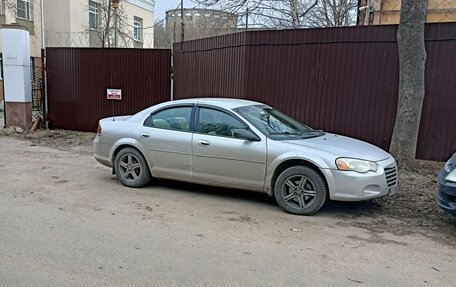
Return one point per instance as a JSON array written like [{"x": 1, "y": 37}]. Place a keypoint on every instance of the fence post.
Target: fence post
[
  {"x": 44, "y": 91},
  {"x": 17, "y": 76}
]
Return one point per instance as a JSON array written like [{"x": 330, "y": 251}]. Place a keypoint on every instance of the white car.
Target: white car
[{"x": 247, "y": 145}]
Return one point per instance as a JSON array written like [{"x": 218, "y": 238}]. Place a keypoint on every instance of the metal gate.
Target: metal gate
[
  {"x": 36, "y": 70},
  {"x": 77, "y": 81}
]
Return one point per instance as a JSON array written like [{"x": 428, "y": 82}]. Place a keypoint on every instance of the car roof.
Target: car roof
[{"x": 227, "y": 103}]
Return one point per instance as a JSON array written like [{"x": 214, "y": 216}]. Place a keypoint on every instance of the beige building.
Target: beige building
[
  {"x": 80, "y": 23},
  {"x": 384, "y": 12},
  {"x": 90, "y": 23}
]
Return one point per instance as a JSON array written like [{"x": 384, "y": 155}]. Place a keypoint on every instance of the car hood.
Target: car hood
[{"x": 341, "y": 146}]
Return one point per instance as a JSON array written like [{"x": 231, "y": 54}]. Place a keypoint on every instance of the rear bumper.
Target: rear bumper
[
  {"x": 446, "y": 194},
  {"x": 103, "y": 160},
  {"x": 101, "y": 152}
]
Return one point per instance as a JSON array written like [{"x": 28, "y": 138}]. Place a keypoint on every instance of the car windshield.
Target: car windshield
[{"x": 275, "y": 124}]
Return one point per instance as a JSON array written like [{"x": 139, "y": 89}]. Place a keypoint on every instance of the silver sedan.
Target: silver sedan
[{"x": 247, "y": 145}]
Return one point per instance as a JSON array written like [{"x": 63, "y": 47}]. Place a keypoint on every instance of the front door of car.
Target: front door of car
[
  {"x": 220, "y": 157},
  {"x": 167, "y": 136}
]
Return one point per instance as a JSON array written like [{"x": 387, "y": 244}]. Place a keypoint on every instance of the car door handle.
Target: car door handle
[
  {"x": 204, "y": 143},
  {"x": 144, "y": 135}
]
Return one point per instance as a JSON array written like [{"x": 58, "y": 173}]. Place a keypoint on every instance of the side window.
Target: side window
[
  {"x": 217, "y": 123},
  {"x": 171, "y": 119}
]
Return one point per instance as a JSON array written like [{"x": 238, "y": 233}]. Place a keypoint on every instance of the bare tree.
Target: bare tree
[
  {"x": 164, "y": 37},
  {"x": 10, "y": 5},
  {"x": 282, "y": 14},
  {"x": 161, "y": 37},
  {"x": 266, "y": 13},
  {"x": 333, "y": 13},
  {"x": 412, "y": 61},
  {"x": 203, "y": 30},
  {"x": 106, "y": 25},
  {"x": 290, "y": 13},
  {"x": 198, "y": 24}
]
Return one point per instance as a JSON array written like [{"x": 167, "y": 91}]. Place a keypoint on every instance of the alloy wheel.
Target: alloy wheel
[
  {"x": 130, "y": 167},
  {"x": 298, "y": 191}
]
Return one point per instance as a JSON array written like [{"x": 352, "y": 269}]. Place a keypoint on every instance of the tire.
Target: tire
[
  {"x": 131, "y": 168},
  {"x": 300, "y": 190}
]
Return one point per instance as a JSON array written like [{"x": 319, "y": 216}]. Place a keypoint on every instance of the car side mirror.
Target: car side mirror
[{"x": 246, "y": 134}]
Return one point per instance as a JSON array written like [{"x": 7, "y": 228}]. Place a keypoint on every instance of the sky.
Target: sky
[{"x": 163, "y": 5}]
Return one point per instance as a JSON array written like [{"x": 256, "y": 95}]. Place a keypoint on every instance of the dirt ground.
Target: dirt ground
[
  {"x": 208, "y": 236},
  {"x": 413, "y": 205}
]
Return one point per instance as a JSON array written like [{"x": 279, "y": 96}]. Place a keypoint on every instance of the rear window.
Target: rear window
[{"x": 177, "y": 118}]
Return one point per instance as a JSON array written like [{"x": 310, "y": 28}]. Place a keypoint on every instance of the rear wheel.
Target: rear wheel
[
  {"x": 131, "y": 168},
  {"x": 300, "y": 190}
]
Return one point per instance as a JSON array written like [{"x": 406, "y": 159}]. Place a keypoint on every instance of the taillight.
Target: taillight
[{"x": 99, "y": 130}]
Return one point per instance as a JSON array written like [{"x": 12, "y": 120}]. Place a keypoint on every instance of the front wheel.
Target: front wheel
[
  {"x": 131, "y": 168},
  {"x": 300, "y": 190}
]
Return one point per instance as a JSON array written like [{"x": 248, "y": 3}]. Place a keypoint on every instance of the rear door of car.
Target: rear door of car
[
  {"x": 221, "y": 158},
  {"x": 167, "y": 135}
]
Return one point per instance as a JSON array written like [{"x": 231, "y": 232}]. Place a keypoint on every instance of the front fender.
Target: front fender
[{"x": 309, "y": 157}]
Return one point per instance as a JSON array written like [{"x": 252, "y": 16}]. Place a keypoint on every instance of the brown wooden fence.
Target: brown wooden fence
[
  {"x": 343, "y": 80},
  {"x": 77, "y": 80}
]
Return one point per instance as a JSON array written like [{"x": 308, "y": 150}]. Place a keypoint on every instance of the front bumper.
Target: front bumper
[
  {"x": 446, "y": 194},
  {"x": 354, "y": 186}
]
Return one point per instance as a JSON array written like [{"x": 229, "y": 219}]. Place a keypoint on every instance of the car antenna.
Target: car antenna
[{"x": 113, "y": 118}]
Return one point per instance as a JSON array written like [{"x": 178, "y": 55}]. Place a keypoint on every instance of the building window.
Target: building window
[
  {"x": 93, "y": 15},
  {"x": 137, "y": 29},
  {"x": 23, "y": 9}
]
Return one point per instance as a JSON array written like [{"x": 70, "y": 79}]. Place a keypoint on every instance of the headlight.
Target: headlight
[
  {"x": 451, "y": 176},
  {"x": 357, "y": 165}
]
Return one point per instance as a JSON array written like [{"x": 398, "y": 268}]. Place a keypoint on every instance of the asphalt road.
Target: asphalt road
[{"x": 66, "y": 221}]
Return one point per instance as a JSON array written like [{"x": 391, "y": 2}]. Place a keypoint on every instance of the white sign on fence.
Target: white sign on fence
[{"x": 114, "y": 94}]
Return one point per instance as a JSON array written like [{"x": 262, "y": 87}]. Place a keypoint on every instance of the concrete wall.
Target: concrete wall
[{"x": 57, "y": 22}]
